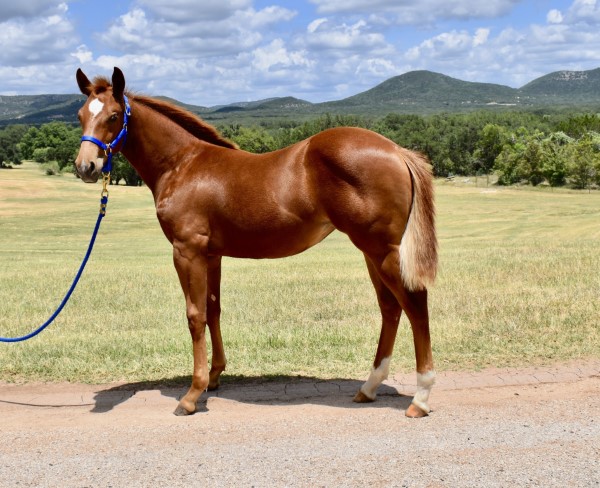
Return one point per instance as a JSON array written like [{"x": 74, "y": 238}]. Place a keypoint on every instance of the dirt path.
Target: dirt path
[{"x": 529, "y": 427}]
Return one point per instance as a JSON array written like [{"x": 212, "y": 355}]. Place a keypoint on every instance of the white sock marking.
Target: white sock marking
[
  {"x": 376, "y": 378},
  {"x": 424, "y": 383},
  {"x": 95, "y": 107}
]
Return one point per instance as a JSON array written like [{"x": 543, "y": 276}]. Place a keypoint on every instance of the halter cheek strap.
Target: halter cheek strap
[{"x": 121, "y": 137}]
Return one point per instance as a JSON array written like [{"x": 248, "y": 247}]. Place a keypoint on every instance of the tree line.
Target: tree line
[
  {"x": 55, "y": 146},
  {"x": 519, "y": 147}
]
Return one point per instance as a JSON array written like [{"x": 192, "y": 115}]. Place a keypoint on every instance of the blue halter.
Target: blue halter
[{"x": 122, "y": 136}]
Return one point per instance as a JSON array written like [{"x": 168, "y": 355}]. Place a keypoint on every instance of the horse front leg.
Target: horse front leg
[
  {"x": 213, "y": 306},
  {"x": 191, "y": 266}
]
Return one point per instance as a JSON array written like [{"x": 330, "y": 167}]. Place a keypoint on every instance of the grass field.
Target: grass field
[{"x": 519, "y": 283}]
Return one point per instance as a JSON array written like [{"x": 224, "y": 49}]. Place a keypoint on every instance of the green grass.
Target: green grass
[{"x": 519, "y": 284}]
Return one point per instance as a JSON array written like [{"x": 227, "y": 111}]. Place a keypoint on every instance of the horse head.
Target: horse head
[{"x": 103, "y": 119}]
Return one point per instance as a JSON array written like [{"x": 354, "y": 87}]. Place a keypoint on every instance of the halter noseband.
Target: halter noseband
[{"x": 122, "y": 136}]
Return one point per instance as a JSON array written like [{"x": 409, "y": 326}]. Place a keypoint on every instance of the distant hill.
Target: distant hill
[
  {"x": 284, "y": 103},
  {"x": 269, "y": 104},
  {"x": 563, "y": 86},
  {"x": 34, "y": 109},
  {"x": 417, "y": 92}
]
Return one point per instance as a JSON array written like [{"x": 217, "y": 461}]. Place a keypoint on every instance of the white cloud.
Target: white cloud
[
  {"x": 583, "y": 12},
  {"x": 37, "y": 40},
  {"x": 314, "y": 25},
  {"x": 219, "y": 52},
  {"x": 377, "y": 68},
  {"x": 480, "y": 37},
  {"x": 267, "y": 16},
  {"x": 83, "y": 54},
  {"x": 275, "y": 56},
  {"x": 232, "y": 57},
  {"x": 204, "y": 61},
  {"x": 343, "y": 37},
  {"x": 424, "y": 11},
  {"x": 515, "y": 56},
  {"x": 229, "y": 31},
  {"x": 184, "y": 11},
  {"x": 554, "y": 16},
  {"x": 449, "y": 45},
  {"x": 32, "y": 79},
  {"x": 30, "y": 9}
]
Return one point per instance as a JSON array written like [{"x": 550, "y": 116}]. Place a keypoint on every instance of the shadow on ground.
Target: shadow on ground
[{"x": 278, "y": 390}]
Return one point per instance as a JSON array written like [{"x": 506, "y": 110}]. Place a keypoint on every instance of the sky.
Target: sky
[{"x": 213, "y": 52}]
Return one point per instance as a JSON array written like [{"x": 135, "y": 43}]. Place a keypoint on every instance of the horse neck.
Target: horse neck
[{"x": 153, "y": 142}]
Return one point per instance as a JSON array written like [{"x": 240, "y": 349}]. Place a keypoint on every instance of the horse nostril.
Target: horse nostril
[{"x": 92, "y": 166}]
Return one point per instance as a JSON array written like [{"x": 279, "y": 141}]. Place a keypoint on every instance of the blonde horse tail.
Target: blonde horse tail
[{"x": 419, "y": 248}]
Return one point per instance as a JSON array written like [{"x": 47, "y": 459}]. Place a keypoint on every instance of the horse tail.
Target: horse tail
[{"x": 419, "y": 248}]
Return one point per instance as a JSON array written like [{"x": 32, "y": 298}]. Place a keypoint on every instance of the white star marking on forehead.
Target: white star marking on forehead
[{"x": 95, "y": 107}]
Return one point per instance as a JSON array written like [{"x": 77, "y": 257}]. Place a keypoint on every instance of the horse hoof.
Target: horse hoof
[
  {"x": 182, "y": 412},
  {"x": 360, "y": 397},
  {"x": 213, "y": 386},
  {"x": 415, "y": 412}
]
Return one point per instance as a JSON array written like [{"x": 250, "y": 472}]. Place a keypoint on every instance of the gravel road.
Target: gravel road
[{"x": 529, "y": 427}]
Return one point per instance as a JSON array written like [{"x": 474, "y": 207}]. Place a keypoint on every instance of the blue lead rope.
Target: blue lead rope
[
  {"x": 107, "y": 167},
  {"x": 103, "y": 204}
]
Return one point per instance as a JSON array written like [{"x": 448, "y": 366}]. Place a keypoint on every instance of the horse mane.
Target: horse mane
[
  {"x": 183, "y": 118},
  {"x": 187, "y": 120}
]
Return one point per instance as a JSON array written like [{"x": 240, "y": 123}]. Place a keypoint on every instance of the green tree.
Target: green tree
[
  {"x": 122, "y": 170},
  {"x": 510, "y": 165},
  {"x": 55, "y": 141},
  {"x": 10, "y": 149},
  {"x": 577, "y": 126},
  {"x": 554, "y": 159},
  {"x": 489, "y": 146},
  {"x": 286, "y": 136},
  {"x": 583, "y": 162},
  {"x": 29, "y": 143},
  {"x": 43, "y": 154},
  {"x": 253, "y": 139},
  {"x": 506, "y": 165},
  {"x": 532, "y": 162}
]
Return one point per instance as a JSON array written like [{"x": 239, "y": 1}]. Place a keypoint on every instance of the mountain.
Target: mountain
[
  {"x": 565, "y": 85},
  {"x": 275, "y": 102},
  {"x": 285, "y": 103},
  {"x": 34, "y": 109},
  {"x": 418, "y": 92},
  {"x": 425, "y": 90}
]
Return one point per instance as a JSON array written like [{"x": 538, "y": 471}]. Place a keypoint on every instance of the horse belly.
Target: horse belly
[{"x": 268, "y": 241}]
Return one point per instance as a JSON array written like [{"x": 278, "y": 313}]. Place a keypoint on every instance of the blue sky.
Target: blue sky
[{"x": 213, "y": 52}]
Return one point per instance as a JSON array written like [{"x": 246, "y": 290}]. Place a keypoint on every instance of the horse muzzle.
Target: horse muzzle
[
  {"x": 90, "y": 171},
  {"x": 89, "y": 165}
]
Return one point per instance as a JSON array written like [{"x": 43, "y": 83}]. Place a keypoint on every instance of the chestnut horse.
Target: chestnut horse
[{"x": 213, "y": 199}]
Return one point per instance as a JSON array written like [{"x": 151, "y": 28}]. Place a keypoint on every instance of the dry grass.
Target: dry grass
[{"x": 518, "y": 284}]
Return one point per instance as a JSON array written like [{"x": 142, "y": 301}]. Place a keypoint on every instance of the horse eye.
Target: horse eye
[{"x": 113, "y": 117}]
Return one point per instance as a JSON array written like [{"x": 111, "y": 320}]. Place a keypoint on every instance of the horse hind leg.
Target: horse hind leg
[
  {"x": 414, "y": 304},
  {"x": 390, "y": 317}
]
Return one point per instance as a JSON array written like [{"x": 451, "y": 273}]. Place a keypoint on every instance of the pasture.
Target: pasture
[{"x": 519, "y": 284}]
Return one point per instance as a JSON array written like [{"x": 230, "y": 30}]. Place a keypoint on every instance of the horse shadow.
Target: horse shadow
[{"x": 258, "y": 390}]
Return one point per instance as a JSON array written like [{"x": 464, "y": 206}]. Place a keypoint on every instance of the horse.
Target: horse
[{"x": 213, "y": 199}]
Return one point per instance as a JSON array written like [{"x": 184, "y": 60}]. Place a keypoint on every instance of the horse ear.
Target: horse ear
[
  {"x": 118, "y": 83},
  {"x": 84, "y": 84}
]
